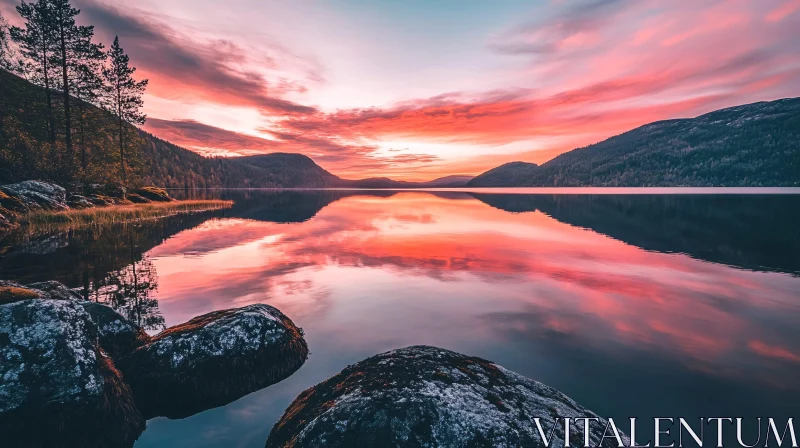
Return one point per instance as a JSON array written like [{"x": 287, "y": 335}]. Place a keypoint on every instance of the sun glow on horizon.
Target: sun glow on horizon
[{"x": 416, "y": 91}]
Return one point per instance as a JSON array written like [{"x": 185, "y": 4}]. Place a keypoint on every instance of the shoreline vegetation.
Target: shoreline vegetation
[
  {"x": 35, "y": 208},
  {"x": 45, "y": 221}
]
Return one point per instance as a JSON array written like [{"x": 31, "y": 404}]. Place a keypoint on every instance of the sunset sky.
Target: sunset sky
[{"x": 415, "y": 89}]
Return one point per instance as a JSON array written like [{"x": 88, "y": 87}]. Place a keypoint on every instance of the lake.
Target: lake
[{"x": 644, "y": 304}]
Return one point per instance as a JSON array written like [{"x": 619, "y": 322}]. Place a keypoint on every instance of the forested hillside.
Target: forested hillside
[
  {"x": 26, "y": 154},
  {"x": 752, "y": 145}
]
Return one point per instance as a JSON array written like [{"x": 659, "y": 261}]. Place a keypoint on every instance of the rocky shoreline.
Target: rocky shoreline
[
  {"x": 74, "y": 372},
  {"x": 77, "y": 373},
  {"x": 22, "y": 198}
]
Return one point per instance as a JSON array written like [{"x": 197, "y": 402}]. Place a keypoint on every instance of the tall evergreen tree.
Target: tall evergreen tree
[
  {"x": 35, "y": 42},
  {"x": 73, "y": 45},
  {"x": 5, "y": 58},
  {"x": 5, "y": 45},
  {"x": 87, "y": 83},
  {"x": 123, "y": 97}
]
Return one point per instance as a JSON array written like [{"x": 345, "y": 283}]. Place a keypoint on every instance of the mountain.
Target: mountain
[
  {"x": 751, "y": 145},
  {"x": 290, "y": 170},
  {"x": 454, "y": 181},
  {"x": 26, "y": 154}
]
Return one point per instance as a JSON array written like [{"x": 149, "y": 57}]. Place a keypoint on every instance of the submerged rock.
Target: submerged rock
[
  {"x": 58, "y": 386},
  {"x": 214, "y": 359},
  {"x": 38, "y": 195},
  {"x": 426, "y": 396}
]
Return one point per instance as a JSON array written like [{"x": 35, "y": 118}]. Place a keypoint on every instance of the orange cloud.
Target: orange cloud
[{"x": 586, "y": 72}]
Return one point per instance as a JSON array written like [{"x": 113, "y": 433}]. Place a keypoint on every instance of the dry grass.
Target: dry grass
[
  {"x": 49, "y": 221},
  {"x": 11, "y": 294}
]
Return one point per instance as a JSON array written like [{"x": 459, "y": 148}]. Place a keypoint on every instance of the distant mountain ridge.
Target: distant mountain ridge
[
  {"x": 169, "y": 165},
  {"x": 752, "y": 145}
]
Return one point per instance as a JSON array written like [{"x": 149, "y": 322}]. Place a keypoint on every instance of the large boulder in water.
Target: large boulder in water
[
  {"x": 214, "y": 359},
  {"x": 118, "y": 335},
  {"x": 429, "y": 397},
  {"x": 38, "y": 195},
  {"x": 58, "y": 387}
]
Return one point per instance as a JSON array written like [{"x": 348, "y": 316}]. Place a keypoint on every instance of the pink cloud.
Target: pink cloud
[{"x": 588, "y": 72}]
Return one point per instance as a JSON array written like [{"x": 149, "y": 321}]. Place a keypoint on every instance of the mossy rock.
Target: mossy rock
[
  {"x": 137, "y": 199},
  {"x": 153, "y": 194},
  {"x": 427, "y": 396},
  {"x": 12, "y": 204},
  {"x": 100, "y": 199},
  {"x": 11, "y": 294},
  {"x": 113, "y": 190}
]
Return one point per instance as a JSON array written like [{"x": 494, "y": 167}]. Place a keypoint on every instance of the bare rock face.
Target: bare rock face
[
  {"x": 58, "y": 386},
  {"x": 430, "y": 397},
  {"x": 37, "y": 195},
  {"x": 214, "y": 359}
]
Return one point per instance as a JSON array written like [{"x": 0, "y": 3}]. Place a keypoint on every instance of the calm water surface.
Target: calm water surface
[{"x": 634, "y": 305}]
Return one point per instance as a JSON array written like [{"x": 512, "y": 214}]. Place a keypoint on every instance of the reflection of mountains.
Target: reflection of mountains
[
  {"x": 290, "y": 206},
  {"x": 751, "y": 231},
  {"x": 757, "y": 232}
]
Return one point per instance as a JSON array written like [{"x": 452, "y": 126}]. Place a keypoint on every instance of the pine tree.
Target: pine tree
[
  {"x": 123, "y": 98},
  {"x": 87, "y": 83},
  {"x": 73, "y": 47},
  {"x": 35, "y": 42},
  {"x": 5, "y": 45}
]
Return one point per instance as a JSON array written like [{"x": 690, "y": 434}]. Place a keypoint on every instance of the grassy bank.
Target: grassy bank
[{"x": 44, "y": 222}]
